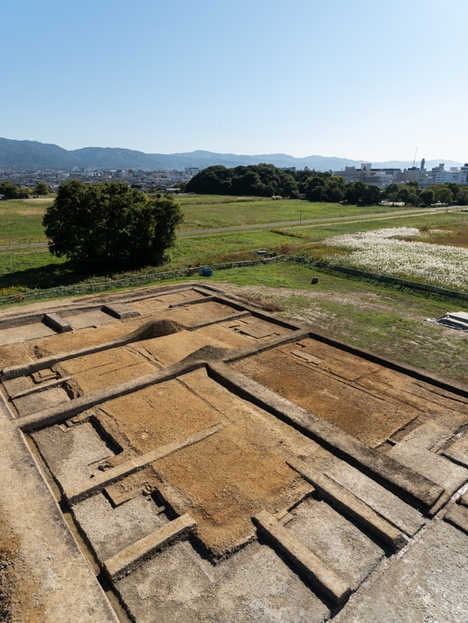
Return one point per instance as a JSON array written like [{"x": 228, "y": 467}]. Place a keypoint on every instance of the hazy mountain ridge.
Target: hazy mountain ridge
[{"x": 35, "y": 155}]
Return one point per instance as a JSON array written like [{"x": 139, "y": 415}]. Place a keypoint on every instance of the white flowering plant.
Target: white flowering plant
[{"x": 386, "y": 251}]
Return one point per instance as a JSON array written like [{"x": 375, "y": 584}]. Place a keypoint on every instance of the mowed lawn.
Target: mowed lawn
[
  {"x": 206, "y": 211},
  {"x": 21, "y": 220}
]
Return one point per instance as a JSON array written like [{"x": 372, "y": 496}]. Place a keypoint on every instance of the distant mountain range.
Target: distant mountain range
[{"x": 33, "y": 155}]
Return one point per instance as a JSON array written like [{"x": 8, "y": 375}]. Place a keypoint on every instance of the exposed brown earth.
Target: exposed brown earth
[
  {"x": 18, "y": 601},
  {"x": 358, "y": 396},
  {"x": 353, "y": 316},
  {"x": 220, "y": 464}
]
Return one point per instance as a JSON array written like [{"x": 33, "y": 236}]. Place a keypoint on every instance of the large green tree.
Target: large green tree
[
  {"x": 443, "y": 194},
  {"x": 428, "y": 196},
  {"x": 355, "y": 192},
  {"x": 42, "y": 188},
  {"x": 110, "y": 226},
  {"x": 9, "y": 190},
  {"x": 371, "y": 196}
]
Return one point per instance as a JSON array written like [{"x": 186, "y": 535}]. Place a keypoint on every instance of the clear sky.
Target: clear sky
[{"x": 360, "y": 79}]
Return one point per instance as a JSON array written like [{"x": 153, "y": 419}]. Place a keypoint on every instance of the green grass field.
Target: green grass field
[
  {"x": 207, "y": 211},
  {"x": 38, "y": 268},
  {"x": 21, "y": 219}
]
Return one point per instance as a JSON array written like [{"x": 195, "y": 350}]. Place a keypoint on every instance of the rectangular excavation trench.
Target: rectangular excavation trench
[
  {"x": 73, "y": 526},
  {"x": 166, "y": 375},
  {"x": 370, "y": 558},
  {"x": 211, "y": 433},
  {"x": 216, "y": 444}
]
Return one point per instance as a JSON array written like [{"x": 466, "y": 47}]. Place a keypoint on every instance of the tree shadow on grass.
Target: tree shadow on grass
[{"x": 48, "y": 276}]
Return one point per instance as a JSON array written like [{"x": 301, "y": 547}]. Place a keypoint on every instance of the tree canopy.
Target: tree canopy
[
  {"x": 110, "y": 226},
  {"x": 266, "y": 180},
  {"x": 261, "y": 180},
  {"x": 42, "y": 188},
  {"x": 10, "y": 191}
]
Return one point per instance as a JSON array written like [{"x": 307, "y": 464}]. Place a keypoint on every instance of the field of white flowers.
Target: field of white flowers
[{"x": 383, "y": 251}]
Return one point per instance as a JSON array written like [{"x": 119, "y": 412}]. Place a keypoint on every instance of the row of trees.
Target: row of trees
[
  {"x": 440, "y": 193},
  {"x": 333, "y": 188},
  {"x": 10, "y": 191},
  {"x": 266, "y": 180}
]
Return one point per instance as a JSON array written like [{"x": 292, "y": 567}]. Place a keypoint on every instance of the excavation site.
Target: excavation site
[{"x": 176, "y": 454}]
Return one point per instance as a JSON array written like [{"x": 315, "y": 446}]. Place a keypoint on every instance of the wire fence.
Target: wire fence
[
  {"x": 396, "y": 281},
  {"x": 126, "y": 282},
  {"x": 148, "y": 278}
]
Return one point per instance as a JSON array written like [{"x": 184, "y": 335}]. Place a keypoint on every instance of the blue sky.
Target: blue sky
[{"x": 361, "y": 79}]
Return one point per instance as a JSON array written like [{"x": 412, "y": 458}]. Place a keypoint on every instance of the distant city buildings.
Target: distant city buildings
[
  {"x": 149, "y": 181},
  {"x": 167, "y": 180},
  {"x": 368, "y": 175},
  {"x": 384, "y": 177},
  {"x": 438, "y": 175}
]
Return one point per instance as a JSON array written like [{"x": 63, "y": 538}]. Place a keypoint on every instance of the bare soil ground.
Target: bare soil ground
[
  {"x": 247, "y": 464},
  {"x": 385, "y": 321},
  {"x": 17, "y": 586},
  {"x": 358, "y": 396}
]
